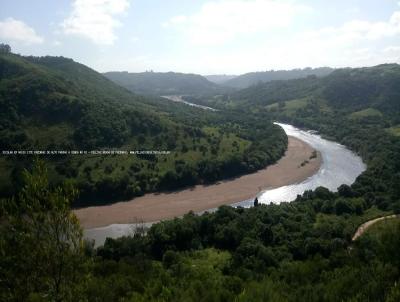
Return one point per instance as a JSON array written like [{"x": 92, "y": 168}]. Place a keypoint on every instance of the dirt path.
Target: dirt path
[
  {"x": 155, "y": 207},
  {"x": 365, "y": 226}
]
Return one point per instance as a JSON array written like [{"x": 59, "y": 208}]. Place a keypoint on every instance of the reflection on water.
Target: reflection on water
[
  {"x": 179, "y": 99},
  {"x": 339, "y": 166},
  {"x": 100, "y": 234}
]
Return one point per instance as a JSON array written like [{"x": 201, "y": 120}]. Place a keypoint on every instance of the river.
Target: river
[
  {"x": 339, "y": 166},
  {"x": 179, "y": 99}
]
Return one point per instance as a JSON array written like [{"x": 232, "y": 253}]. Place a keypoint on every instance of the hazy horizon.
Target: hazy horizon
[{"x": 211, "y": 37}]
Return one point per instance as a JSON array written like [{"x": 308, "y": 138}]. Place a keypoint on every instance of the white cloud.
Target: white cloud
[
  {"x": 357, "y": 30},
  {"x": 268, "y": 35},
  {"x": 392, "y": 53},
  {"x": 17, "y": 31},
  {"x": 392, "y": 49},
  {"x": 178, "y": 19},
  {"x": 354, "y": 44},
  {"x": 221, "y": 21},
  {"x": 95, "y": 19}
]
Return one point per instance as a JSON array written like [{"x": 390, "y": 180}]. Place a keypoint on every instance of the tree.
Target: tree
[
  {"x": 5, "y": 48},
  {"x": 345, "y": 191},
  {"x": 41, "y": 242},
  {"x": 396, "y": 208},
  {"x": 256, "y": 204},
  {"x": 343, "y": 206}
]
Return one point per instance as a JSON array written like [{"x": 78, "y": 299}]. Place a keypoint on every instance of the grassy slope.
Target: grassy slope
[
  {"x": 252, "y": 78},
  {"x": 365, "y": 113},
  {"x": 395, "y": 130},
  {"x": 381, "y": 227}
]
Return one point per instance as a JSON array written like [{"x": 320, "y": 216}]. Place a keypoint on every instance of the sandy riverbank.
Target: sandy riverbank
[{"x": 154, "y": 207}]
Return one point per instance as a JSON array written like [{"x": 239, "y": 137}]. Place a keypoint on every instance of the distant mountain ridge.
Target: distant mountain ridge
[
  {"x": 253, "y": 78},
  {"x": 164, "y": 83},
  {"x": 220, "y": 78}
]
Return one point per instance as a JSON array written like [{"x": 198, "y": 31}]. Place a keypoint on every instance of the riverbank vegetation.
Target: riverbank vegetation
[
  {"x": 298, "y": 251},
  {"x": 56, "y": 104}
]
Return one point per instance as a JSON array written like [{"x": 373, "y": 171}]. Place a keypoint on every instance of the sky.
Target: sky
[{"x": 205, "y": 37}]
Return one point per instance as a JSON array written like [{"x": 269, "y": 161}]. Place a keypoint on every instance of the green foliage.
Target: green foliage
[
  {"x": 253, "y": 78},
  {"x": 394, "y": 130},
  {"x": 360, "y": 93},
  {"x": 5, "y": 48},
  {"x": 369, "y": 95},
  {"x": 287, "y": 252},
  {"x": 54, "y": 103},
  {"x": 41, "y": 243},
  {"x": 383, "y": 240},
  {"x": 366, "y": 113},
  {"x": 300, "y": 251}
]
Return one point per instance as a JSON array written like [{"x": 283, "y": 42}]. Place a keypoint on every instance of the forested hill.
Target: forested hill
[
  {"x": 253, "y": 78},
  {"x": 168, "y": 83},
  {"x": 54, "y": 103},
  {"x": 376, "y": 89},
  {"x": 298, "y": 251}
]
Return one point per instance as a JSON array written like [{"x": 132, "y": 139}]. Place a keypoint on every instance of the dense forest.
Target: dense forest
[
  {"x": 373, "y": 89},
  {"x": 298, "y": 251},
  {"x": 253, "y": 78},
  {"x": 54, "y": 103}
]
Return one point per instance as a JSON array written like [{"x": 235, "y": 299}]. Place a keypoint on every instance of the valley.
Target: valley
[
  {"x": 183, "y": 224},
  {"x": 65, "y": 105}
]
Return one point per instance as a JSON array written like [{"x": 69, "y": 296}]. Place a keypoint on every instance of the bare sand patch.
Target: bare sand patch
[{"x": 159, "y": 206}]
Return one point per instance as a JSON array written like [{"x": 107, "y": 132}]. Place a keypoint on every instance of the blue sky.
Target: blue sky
[{"x": 206, "y": 37}]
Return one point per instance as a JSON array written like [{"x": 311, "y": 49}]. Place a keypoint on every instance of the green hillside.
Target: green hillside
[
  {"x": 358, "y": 107},
  {"x": 168, "y": 83},
  {"x": 254, "y": 78},
  {"x": 344, "y": 89},
  {"x": 54, "y": 103},
  {"x": 298, "y": 251}
]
